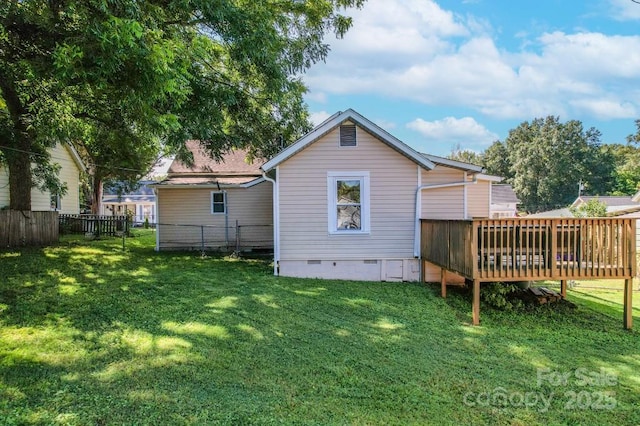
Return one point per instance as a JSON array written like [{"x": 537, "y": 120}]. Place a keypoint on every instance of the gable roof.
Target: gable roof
[
  {"x": 364, "y": 123},
  {"x": 232, "y": 170},
  {"x": 610, "y": 201},
  {"x": 76, "y": 157},
  {"x": 503, "y": 194}
]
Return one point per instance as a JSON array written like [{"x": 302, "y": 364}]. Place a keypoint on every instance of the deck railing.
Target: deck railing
[{"x": 532, "y": 249}]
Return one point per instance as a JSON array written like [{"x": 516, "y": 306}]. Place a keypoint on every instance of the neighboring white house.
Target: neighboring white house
[
  {"x": 71, "y": 167},
  {"x": 348, "y": 199},
  {"x": 139, "y": 203},
  {"x": 202, "y": 205},
  {"x": 504, "y": 201}
]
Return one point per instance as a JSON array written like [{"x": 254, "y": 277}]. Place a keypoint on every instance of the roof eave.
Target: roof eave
[{"x": 333, "y": 122}]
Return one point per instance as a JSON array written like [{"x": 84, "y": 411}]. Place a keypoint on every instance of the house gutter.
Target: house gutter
[
  {"x": 276, "y": 222},
  {"x": 418, "y": 198}
]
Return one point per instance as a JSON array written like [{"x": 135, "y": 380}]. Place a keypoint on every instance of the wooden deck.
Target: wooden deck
[{"x": 489, "y": 250}]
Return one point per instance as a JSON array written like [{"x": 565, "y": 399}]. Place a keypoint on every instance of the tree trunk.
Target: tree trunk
[
  {"x": 19, "y": 181},
  {"x": 18, "y": 154},
  {"x": 96, "y": 195}
]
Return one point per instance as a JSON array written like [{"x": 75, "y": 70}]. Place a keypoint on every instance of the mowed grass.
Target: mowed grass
[{"x": 94, "y": 335}]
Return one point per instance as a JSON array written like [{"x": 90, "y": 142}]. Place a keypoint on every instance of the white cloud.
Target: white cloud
[
  {"x": 606, "y": 109},
  {"x": 416, "y": 51},
  {"x": 318, "y": 117},
  {"x": 625, "y": 10},
  {"x": 466, "y": 131}
]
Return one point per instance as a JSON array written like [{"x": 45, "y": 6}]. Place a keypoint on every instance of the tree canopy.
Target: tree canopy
[
  {"x": 545, "y": 160},
  {"x": 124, "y": 77}
]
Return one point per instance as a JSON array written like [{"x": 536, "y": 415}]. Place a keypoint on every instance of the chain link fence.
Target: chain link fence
[{"x": 234, "y": 238}]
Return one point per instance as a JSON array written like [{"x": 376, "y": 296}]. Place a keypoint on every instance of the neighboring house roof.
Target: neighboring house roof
[
  {"x": 610, "y": 201},
  {"x": 232, "y": 170},
  {"x": 564, "y": 212},
  {"x": 144, "y": 194},
  {"x": 617, "y": 206},
  {"x": 428, "y": 162},
  {"x": 503, "y": 194}
]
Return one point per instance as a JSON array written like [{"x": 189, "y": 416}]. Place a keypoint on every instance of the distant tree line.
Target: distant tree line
[{"x": 547, "y": 161}]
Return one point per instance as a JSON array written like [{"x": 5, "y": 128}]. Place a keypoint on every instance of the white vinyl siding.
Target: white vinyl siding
[
  {"x": 4, "y": 187},
  {"x": 443, "y": 203},
  {"x": 41, "y": 201},
  {"x": 304, "y": 218},
  {"x": 251, "y": 207},
  {"x": 478, "y": 199}
]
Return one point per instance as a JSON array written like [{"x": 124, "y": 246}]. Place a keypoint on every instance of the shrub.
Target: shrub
[{"x": 501, "y": 296}]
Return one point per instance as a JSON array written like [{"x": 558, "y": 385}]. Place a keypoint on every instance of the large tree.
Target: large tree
[
  {"x": 548, "y": 159},
  {"x": 124, "y": 76},
  {"x": 495, "y": 160}
]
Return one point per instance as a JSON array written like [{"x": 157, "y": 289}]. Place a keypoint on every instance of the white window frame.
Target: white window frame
[
  {"x": 224, "y": 201},
  {"x": 332, "y": 202}
]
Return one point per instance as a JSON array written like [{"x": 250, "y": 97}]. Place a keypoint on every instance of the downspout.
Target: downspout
[
  {"x": 155, "y": 191},
  {"x": 419, "y": 189},
  {"x": 276, "y": 222}
]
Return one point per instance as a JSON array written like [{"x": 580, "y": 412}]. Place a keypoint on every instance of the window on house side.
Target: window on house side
[
  {"x": 218, "y": 202},
  {"x": 56, "y": 202},
  {"x": 348, "y": 206}
]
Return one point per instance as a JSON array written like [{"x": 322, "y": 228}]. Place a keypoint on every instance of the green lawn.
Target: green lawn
[{"x": 92, "y": 335}]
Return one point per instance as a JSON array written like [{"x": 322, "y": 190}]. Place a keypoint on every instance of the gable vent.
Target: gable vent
[{"x": 348, "y": 135}]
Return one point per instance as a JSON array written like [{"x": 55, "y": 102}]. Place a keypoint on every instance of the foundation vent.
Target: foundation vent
[{"x": 314, "y": 262}]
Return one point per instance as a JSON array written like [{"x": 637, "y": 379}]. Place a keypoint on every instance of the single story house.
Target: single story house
[
  {"x": 504, "y": 201},
  {"x": 348, "y": 198},
  {"x": 71, "y": 166},
  {"x": 140, "y": 203},
  {"x": 213, "y": 204}
]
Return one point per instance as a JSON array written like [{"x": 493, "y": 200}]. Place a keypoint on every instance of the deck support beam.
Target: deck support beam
[
  {"x": 443, "y": 283},
  {"x": 628, "y": 310},
  {"x": 563, "y": 288},
  {"x": 476, "y": 302}
]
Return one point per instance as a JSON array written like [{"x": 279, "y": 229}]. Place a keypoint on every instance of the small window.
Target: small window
[
  {"x": 56, "y": 202},
  {"x": 348, "y": 202},
  {"x": 348, "y": 135},
  {"x": 218, "y": 202}
]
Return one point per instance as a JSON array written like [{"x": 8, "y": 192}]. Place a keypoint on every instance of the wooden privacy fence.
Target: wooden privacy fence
[
  {"x": 96, "y": 225},
  {"x": 27, "y": 228}
]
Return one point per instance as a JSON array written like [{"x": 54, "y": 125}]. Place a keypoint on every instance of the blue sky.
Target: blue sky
[{"x": 441, "y": 73}]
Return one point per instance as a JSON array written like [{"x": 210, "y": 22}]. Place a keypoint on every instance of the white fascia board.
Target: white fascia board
[
  {"x": 358, "y": 119},
  {"x": 492, "y": 178},
  {"x": 453, "y": 163},
  {"x": 76, "y": 156},
  {"x": 252, "y": 183}
]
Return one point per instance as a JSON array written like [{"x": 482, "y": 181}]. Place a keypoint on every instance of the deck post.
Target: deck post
[
  {"x": 628, "y": 311},
  {"x": 443, "y": 283},
  {"x": 476, "y": 302},
  {"x": 563, "y": 288}
]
